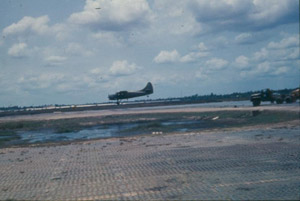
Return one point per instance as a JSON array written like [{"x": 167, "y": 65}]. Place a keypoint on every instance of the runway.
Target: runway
[
  {"x": 249, "y": 162},
  {"x": 206, "y": 107}
]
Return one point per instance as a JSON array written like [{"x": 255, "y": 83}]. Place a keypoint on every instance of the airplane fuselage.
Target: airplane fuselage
[{"x": 132, "y": 94}]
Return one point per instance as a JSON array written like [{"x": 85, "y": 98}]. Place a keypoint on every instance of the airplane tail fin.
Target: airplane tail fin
[{"x": 149, "y": 88}]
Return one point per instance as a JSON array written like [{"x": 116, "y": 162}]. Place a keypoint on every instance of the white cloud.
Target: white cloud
[
  {"x": 99, "y": 75},
  {"x": 201, "y": 74},
  {"x": 216, "y": 64},
  {"x": 294, "y": 54},
  {"x": 109, "y": 37},
  {"x": 112, "y": 15},
  {"x": 244, "y": 15},
  {"x": 55, "y": 60},
  {"x": 173, "y": 17},
  {"x": 18, "y": 50},
  {"x": 202, "y": 47},
  {"x": 60, "y": 31},
  {"x": 250, "y": 38},
  {"x": 28, "y": 24},
  {"x": 173, "y": 56},
  {"x": 167, "y": 56},
  {"x": 184, "y": 25},
  {"x": 263, "y": 67},
  {"x": 96, "y": 71},
  {"x": 243, "y": 38},
  {"x": 261, "y": 55},
  {"x": 292, "y": 41},
  {"x": 39, "y": 25},
  {"x": 281, "y": 70},
  {"x": 286, "y": 49},
  {"x": 76, "y": 49},
  {"x": 200, "y": 51},
  {"x": 220, "y": 42},
  {"x": 193, "y": 56},
  {"x": 123, "y": 68},
  {"x": 269, "y": 11},
  {"x": 241, "y": 62},
  {"x": 41, "y": 81}
]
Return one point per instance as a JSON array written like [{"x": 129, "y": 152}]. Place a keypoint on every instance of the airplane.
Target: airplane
[{"x": 127, "y": 94}]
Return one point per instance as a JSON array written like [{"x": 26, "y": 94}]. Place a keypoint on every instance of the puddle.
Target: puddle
[
  {"x": 103, "y": 131},
  {"x": 170, "y": 123},
  {"x": 131, "y": 129},
  {"x": 106, "y": 131}
]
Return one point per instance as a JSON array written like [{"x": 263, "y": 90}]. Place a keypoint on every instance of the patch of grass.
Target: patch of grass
[
  {"x": 226, "y": 119},
  {"x": 21, "y": 125},
  {"x": 7, "y": 135},
  {"x": 152, "y": 122},
  {"x": 273, "y": 117},
  {"x": 67, "y": 129},
  {"x": 144, "y": 128}
]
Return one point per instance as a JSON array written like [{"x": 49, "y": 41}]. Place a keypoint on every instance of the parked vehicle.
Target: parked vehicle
[
  {"x": 293, "y": 96},
  {"x": 266, "y": 95}
]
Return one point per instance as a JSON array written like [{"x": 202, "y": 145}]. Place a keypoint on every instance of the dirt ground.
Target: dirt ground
[
  {"x": 251, "y": 162},
  {"x": 99, "y": 113}
]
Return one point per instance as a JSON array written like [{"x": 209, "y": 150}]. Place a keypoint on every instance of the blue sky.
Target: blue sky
[{"x": 72, "y": 52}]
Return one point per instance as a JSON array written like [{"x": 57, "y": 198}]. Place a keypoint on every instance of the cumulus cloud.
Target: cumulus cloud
[
  {"x": 202, "y": 47},
  {"x": 173, "y": 56},
  {"x": 201, "y": 74},
  {"x": 272, "y": 60},
  {"x": 96, "y": 71},
  {"x": 285, "y": 49},
  {"x": 18, "y": 50},
  {"x": 216, "y": 63},
  {"x": 281, "y": 70},
  {"x": 245, "y": 38},
  {"x": 265, "y": 69},
  {"x": 292, "y": 41},
  {"x": 28, "y": 24},
  {"x": 241, "y": 62},
  {"x": 207, "y": 72},
  {"x": 193, "y": 56},
  {"x": 250, "y": 38},
  {"x": 114, "y": 15},
  {"x": 39, "y": 25},
  {"x": 200, "y": 52},
  {"x": 167, "y": 56},
  {"x": 294, "y": 54},
  {"x": 261, "y": 69},
  {"x": 55, "y": 60},
  {"x": 99, "y": 75},
  {"x": 75, "y": 49},
  {"x": 109, "y": 37},
  {"x": 261, "y": 55},
  {"x": 56, "y": 82},
  {"x": 123, "y": 68},
  {"x": 245, "y": 15},
  {"x": 220, "y": 42},
  {"x": 41, "y": 81}
]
